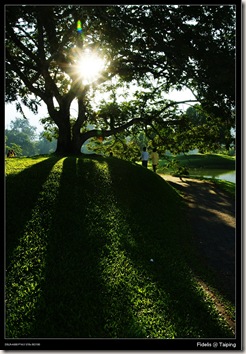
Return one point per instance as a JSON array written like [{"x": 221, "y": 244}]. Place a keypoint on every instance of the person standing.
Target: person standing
[
  {"x": 145, "y": 157},
  {"x": 155, "y": 159}
]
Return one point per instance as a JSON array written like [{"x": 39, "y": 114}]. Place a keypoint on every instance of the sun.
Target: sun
[{"x": 90, "y": 66}]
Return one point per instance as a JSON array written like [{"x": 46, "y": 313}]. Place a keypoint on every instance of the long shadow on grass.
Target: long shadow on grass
[
  {"x": 98, "y": 268},
  {"x": 71, "y": 304},
  {"x": 22, "y": 190},
  {"x": 160, "y": 240},
  {"x": 76, "y": 301},
  {"x": 26, "y": 273}
]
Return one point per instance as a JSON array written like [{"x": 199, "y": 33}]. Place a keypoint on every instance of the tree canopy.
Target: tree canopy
[{"x": 154, "y": 48}]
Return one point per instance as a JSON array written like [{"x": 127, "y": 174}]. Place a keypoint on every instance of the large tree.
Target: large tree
[{"x": 156, "y": 47}]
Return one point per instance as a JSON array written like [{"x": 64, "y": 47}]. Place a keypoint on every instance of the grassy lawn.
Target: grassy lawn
[
  {"x": 199, "y": 161},
  {"x": 226, "y": 186},
  {"x": 99, "y": 248}
]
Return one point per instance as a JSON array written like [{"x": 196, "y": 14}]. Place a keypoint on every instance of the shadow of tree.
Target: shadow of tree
[
  {"x": 20, "y": 199},
  {"x": 77, "y": 302},
  {"x": 169, "y": 271},
  {"x": 98, "y": 280}
]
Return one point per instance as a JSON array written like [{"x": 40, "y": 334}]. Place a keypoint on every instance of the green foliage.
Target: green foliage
[
  {"x": 79, "y": 254},
  {"x": 22, "y": 138},
  {"x": 46, "y": 145},
  {"x": 17, "y": 149},
  {"x": 178, "y": 169},
  {"x": 194, "y": 129},
  {"x": 118, "y": 146},
  {"x": 50, "y": 129},
  {"x": 154, "y": 48},
  {"x": 21, "y": 135}
]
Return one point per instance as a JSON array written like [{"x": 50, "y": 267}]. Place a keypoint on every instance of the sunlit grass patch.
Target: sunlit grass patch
[{"x": 14, "y": 165}]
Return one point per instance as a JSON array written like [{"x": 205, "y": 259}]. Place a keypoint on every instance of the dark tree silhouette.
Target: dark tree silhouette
[{"x": 159, "y": 47}]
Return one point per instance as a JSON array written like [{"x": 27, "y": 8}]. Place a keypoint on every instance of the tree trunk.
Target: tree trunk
[
  {"x": 67, "y": 147},
  {"x": 64, "y": 141},
  {"x": 69, "y": 140},
  {"x": 77, "y": 139},
  {"x": 64, "y": 144}
]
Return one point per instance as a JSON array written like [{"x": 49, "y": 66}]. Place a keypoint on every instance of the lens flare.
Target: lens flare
[{"x": 79, "y": 27}]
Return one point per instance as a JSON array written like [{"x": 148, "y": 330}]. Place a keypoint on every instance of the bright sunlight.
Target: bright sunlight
[{"x": 90, "y": 66}]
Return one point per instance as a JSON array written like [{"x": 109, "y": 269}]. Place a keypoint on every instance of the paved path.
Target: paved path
[{"x": 212, "y": 214}]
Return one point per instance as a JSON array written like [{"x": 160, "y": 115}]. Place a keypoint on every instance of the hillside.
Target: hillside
[{"x": 99, "y": 249}]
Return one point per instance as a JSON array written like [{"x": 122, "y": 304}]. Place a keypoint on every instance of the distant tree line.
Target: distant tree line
[{"x": 22, "y": 138}]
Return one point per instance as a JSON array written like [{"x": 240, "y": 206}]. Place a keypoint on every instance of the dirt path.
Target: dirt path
[{"x": 212, "y": 214}]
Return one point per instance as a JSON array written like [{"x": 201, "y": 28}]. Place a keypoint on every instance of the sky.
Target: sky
[{"x": 11, "y": 114}]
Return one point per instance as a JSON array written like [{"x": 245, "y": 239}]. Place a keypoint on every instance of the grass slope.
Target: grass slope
[
  {"x": 199, "y": 161},
  {"x": 216, "y": 161},
  {"x": 80, "y": 237}
]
